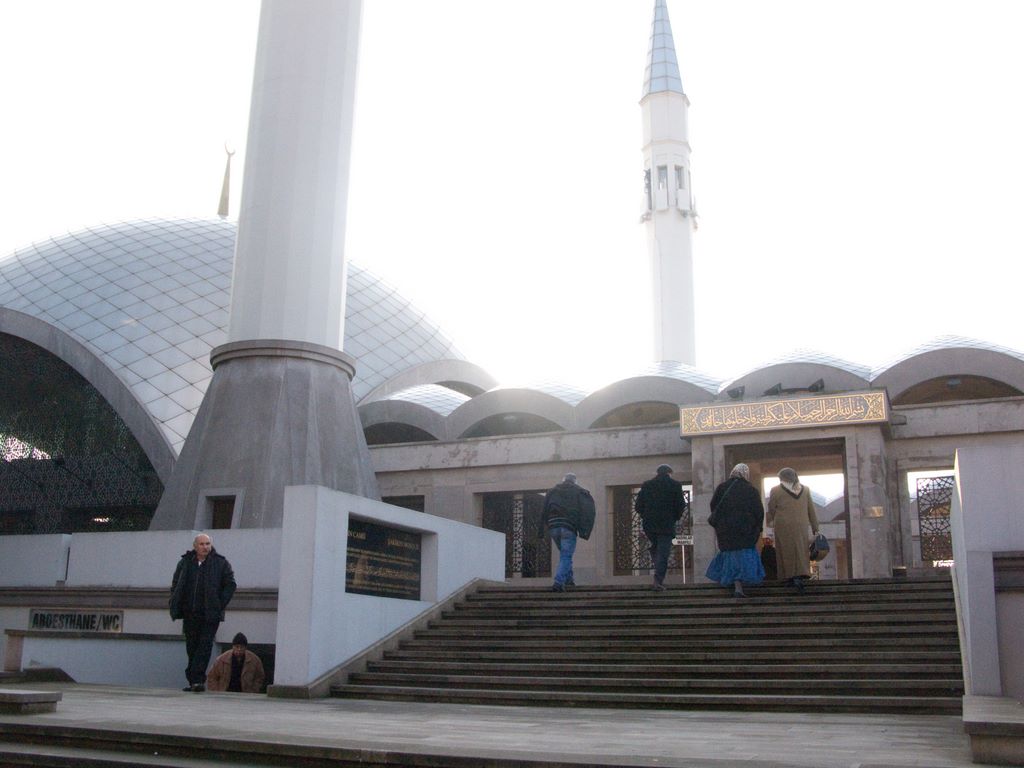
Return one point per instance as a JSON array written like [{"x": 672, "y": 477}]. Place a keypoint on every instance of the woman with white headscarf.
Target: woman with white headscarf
[
  {"x": 791, "y": 512},
  {"x": 737, "y": 515}
]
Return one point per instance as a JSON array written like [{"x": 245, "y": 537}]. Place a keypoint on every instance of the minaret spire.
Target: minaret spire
[
  {"x": 662, "y": 72},
  {"x": 668, "y": 197},
  {"x": 225, "y": 188}
]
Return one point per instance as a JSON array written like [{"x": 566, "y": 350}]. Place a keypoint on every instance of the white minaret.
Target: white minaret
[
  {"x": 669, "y": 211},
  {"x": 279, "y": 410}
]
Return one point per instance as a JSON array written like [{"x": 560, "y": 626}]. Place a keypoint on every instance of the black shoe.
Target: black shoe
[
  {"x": 658, "y": 587},
  {"x": 570, "y": 583},
  {"x": 187, "y": 689},
  {"x": 799, "y": 584},
  {"x": 198, "y": 688},
  {"x": 558, "y": 588}
]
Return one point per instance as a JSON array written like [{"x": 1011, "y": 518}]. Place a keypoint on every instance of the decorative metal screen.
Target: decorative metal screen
[
  {"x": 519, "y": 515},
  {"x": 632, "y": 553},
  {"x": 68, "y": 462},
  {"x": 934, "y": 496}
]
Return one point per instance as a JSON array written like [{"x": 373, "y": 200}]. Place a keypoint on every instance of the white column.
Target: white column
[{"x": 289, "y": 273}]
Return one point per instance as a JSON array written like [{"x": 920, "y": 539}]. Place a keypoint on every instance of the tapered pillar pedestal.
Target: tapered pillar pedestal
[{"x": 276, "y": 413}]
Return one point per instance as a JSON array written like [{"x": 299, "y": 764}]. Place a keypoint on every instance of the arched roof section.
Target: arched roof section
[
  {"x": 460, "y": 375},
  {"x": 949, "y": 359},
  {"x": 511, "y": 402},
  {"x": 94, "y": 370},
  {"x": 412, "y": 414},
  {"x": 800, "y": 369},
  {"x": 639, "y": 390},
  {"x": 150, "y": 298}
]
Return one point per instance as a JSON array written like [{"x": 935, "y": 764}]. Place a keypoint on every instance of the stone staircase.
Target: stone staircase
[{"x": 855, "y": 646}]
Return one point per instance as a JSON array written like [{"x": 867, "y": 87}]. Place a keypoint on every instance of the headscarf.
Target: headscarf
[
  {"x": 741, "y": 470},
  {"x": 790, "y": 480}
]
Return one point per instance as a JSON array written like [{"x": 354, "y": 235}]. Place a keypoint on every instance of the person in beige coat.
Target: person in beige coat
[
  {"x": 239, "y": 670},
  {"x": 791, "y": 513}
]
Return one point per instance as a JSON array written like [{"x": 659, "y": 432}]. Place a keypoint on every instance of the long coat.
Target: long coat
[
  {"x": 737, "y": 515},
  {"x": 792, "y": 516}
]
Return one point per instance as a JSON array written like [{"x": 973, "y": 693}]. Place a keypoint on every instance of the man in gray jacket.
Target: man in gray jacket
[{"x": 568, "y": 513}]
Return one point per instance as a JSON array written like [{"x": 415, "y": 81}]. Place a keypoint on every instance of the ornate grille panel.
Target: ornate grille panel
[
  {"x": 67, "y": 461},
  {"x": 934, "y": 496},
  {"x": 519, "y": 516},
  {"x": 632, "y": 555}
]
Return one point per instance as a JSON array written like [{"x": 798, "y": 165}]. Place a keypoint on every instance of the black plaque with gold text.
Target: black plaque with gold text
[{"x": 382, "y": 561}]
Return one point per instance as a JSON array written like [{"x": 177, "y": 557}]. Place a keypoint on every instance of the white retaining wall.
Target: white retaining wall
[
  {"x": 319, "y": 624},
  {"x": 987, "y": 516}
]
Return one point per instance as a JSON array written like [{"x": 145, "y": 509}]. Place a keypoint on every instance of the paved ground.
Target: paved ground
[{"x": 643, "y": 738}]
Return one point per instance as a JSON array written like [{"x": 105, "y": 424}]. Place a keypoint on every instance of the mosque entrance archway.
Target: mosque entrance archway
[{"x": 821, "y": 460}]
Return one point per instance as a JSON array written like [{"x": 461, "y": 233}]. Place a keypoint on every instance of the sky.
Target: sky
[{"x": 858, "y": 166}]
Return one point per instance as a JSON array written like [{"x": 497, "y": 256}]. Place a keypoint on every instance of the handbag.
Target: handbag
[{"x": 819, "y": 548}]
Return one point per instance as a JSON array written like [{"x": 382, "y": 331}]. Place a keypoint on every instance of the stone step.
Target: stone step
[
  {"x": 875, "y": 587},
  {"x": 616, "y": 645},
  {"x": 690, "y": 671},
  {"x": 867, "y": 646},
  {"x": 556, "y": 619},
  {"x": 683, "y": 632},
  {"x": 68, "y": 746},
  {"x": 709, "y": 657},
  {"x": 48, "y": 756},
  {"x": 695, "y": 596},
  {"x": 750, "y": 702},
  {"x": 803, "y": 604},
  {"x": 808, "y": 685}
]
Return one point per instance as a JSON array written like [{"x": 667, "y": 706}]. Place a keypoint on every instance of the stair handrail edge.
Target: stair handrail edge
[{"x": 321, "y": 686}]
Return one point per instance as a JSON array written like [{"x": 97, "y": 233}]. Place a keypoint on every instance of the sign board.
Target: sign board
[
  {"x": 382, "y": 561},
  {"x": 797, "y": 412},
  {"x": 76, "y": 620}
]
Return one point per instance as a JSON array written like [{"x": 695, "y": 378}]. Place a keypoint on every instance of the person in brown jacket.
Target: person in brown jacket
[
  {"x": 791, "y": 512},
  {"x": 239, "y": 670}
]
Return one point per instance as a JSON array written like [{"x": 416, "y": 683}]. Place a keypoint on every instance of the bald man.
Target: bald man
[{"x": 201, "y": 589}]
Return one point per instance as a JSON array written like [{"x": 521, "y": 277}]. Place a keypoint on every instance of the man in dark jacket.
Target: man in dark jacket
[
  {"x": 201, "y": 589},
  {"x": 568, "y": 513},
  {"x": 660, "y": 504}
]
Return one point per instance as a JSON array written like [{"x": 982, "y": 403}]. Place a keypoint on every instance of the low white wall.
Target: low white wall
[
  {"x": 985, "y": 517},
  {"x": 319, "y": 624},
  {"x": 1010, "y": 618},
  {"x": 34, "y": 561},
  {"x": 148, "y": 558},
  {"x": 158, "y": 663}
]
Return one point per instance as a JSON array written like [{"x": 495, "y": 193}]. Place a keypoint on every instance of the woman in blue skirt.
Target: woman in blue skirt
[{"x": 737, "y": 515}]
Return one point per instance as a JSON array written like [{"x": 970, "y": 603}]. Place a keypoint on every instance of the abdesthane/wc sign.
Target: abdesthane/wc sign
[{"x": 74, "y": 620}]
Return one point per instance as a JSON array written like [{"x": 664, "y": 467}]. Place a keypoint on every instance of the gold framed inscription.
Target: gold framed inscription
[{"x": 791, "y": 413}]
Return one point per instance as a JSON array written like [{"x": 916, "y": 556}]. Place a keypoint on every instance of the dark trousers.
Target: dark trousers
[
  {"x": 661, "y": 547},
  {"x": 199, "y": 636}
]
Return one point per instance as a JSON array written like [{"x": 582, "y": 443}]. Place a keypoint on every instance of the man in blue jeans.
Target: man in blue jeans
[{"x": 568, "y": 513}]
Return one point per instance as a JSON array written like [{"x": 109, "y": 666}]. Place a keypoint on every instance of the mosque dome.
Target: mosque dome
[{"x": 149, "y": 299}]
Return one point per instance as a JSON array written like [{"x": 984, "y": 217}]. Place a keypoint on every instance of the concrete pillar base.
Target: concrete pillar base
[{"x": 276, "y": 413}]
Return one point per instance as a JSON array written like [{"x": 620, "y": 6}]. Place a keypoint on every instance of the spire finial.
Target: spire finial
[
  {"x": 225, "y": 190},
  {"x": 662, "y": 73}
]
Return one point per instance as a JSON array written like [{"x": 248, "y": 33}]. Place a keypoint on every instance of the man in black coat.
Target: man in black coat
[
  {"x": 201, "y": 589},
  {"x": 660, "y": 504}
]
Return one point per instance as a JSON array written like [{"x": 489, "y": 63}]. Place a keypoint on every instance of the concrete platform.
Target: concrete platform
[
  {"x": 995, "y": 727},
  {"x": 257, "y": 729},
  {"x": 21, "y": 701}
]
